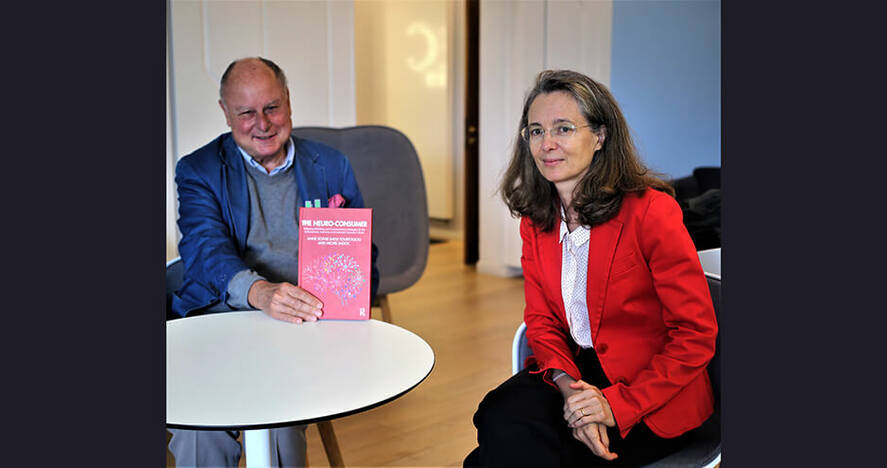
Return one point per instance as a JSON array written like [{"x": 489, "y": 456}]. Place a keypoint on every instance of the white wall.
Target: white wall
[
  {"x": 410, "y": 75},
  {"x": 517, "y": 41},
  {"x": 453, "y": 228},
  {"x": 172, "y": 236},
  {"x": 313, "y": 41}
]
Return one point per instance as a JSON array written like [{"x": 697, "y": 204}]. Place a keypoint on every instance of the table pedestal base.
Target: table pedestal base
[{"x": 257, "y": 445}]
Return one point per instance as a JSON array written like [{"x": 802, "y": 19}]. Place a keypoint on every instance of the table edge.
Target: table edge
[{"x": 248, "y": 427}]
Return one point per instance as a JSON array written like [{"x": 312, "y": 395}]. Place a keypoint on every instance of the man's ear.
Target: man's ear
[
  {"x": 288, "y": 105},
  {"x": 225, "y": 111}
]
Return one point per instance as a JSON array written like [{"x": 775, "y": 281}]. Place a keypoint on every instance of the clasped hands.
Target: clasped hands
[
  {"x": 284, "y": 301},
  {"x": 588, "y": 413}
]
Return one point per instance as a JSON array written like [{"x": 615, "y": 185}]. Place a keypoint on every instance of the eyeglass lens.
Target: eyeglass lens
[{"x": 535, "y": 133}]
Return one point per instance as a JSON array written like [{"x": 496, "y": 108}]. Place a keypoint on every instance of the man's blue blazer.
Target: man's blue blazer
[{"x": 214, "y": 212}]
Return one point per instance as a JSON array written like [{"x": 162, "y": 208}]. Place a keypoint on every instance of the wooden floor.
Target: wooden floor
[{"x": 469, "y": 319}]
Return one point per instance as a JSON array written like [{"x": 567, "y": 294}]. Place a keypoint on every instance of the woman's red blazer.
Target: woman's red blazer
[{"x": 652, "y": 321}]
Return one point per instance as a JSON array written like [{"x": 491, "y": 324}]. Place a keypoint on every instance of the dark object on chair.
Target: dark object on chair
[
  {"x": 702, "y": 180},
  {"x": 175, "y": 272},
  {"x": 704, "y": 450},
  {"x": 702, "y": 218},
  {"x": 699, "y": 196},
  {"x": 389, "y": 175}
]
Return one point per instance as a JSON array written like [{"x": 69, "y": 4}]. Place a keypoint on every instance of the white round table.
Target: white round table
[{"x": 247, "y": 371}]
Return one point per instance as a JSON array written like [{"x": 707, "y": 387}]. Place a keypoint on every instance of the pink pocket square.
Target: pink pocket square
[{"x": 336, "y": 201}]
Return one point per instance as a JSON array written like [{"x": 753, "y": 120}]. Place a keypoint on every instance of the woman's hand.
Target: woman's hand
[
  {"x": 579, "y": 394},
  {"x": 594, "y": 436},
  {"x": 587, "y": 405}
]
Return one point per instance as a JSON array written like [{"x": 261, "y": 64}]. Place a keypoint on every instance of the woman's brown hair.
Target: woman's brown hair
[{"x": 616, "y": 168}]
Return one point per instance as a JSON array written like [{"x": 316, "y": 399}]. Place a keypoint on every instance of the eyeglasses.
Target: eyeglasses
[{"x": 562, "y": 131}]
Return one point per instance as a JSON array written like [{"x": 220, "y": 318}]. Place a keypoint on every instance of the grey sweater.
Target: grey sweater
[{"x": 272, "y": 243}]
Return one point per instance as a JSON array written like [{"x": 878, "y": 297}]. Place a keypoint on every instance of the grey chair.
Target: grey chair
[
  {"x": 705, "y": 449},
  {"x": 175, "y": 272},
  {"x": 389, "y": 175}
]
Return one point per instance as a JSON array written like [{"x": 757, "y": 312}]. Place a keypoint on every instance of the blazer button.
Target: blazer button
[{"x": 602, "y": 348}]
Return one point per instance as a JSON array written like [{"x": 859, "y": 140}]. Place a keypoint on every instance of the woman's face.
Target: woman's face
[{"x": 562, "y": 160}]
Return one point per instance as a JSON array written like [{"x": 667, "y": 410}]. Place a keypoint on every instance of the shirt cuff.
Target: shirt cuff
[{"x": 238, "y": 289}]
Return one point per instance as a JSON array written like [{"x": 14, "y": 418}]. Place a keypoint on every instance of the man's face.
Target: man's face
[{"x": 257, "y": 109}]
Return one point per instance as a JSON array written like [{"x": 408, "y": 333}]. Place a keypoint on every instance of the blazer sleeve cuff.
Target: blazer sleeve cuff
[
  {"x": 238, "y": 289},
  {"x": 547, "y": 371},
  {"x": 625, "y": 417}
]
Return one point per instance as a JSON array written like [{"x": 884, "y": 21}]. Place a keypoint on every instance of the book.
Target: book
[{"x": 335, "y": 259}]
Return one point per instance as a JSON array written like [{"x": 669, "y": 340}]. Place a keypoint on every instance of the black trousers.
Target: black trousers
[{"x": 521, "y": 423}]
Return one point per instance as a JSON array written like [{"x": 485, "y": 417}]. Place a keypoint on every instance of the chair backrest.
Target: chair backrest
[
  {"x": 175, "y": 273},
  {"x": 389, "y": 175},
  {"x": 711, "y": 261},
  {"x": 704, "y": 448},
  {"x": 520, "y": 350}
]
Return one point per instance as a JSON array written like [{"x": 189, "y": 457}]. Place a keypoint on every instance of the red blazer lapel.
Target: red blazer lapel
[
  {"x": 552, "y": 256},
  {"x": 602, "y": 247}
]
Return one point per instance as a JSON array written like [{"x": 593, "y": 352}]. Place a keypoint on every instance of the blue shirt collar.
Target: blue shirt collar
[{"x": 290, "y": 155}]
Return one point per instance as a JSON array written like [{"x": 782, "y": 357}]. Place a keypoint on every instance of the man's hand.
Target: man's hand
[
  {"x": 587, "y": 405},
  {"x": 594, "y": 436},
  {"x": 284, "y": 301}
]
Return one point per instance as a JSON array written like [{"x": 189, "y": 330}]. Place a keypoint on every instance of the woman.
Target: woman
[{"x": 618, "y": 311}]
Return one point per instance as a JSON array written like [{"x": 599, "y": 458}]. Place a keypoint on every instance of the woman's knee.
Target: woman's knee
[{"x": 518, "y": 398}]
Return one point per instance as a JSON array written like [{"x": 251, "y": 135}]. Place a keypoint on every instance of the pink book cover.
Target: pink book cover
[{"x": 334, "y": 259}]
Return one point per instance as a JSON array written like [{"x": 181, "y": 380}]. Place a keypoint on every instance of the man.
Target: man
[{"x": 238, "y": 214}]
